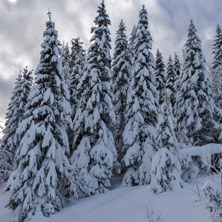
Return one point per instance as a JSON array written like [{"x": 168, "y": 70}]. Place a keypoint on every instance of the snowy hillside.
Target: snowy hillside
[{"x": 128, "y": 204}]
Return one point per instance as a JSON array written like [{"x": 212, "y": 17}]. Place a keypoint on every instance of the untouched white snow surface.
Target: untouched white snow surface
[{"x": 127, "y": 204}]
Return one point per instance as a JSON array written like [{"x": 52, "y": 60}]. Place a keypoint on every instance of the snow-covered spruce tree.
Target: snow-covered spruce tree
[
  {"x": 160, "y": 76},
  {"x": 170, "y": 84},
  {"x": 43, "y": 168},
  {"x": 66, "y": 63},
  {"x": 195, "y": 106},
  {"x": 120, "y": 68},
  {"x": 141, "y": 115},
  {"x": 165, "y": 128},
  {"x": 14, "y": 115},
  {"x": 95, "y": 155},
  {"x": 166, "y": 168},
  {"x": 78, "y": 61},
  {"x": 131, "y": 45},
  {"x": 165, "y": 172},
  {"x": 177, "y": 71},
  {"x": 216, "y": 69}
]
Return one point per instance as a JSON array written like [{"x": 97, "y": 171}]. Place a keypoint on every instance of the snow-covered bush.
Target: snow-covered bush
[
  {"x": 213, "y": 193},
  {"x": 196, "y": 161},
  {"x": 165, "y": 172}
]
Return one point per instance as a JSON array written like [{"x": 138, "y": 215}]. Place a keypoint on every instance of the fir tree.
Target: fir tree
[
  {"x": 195, "y": 105},
  {"x": 132, "y": 44},
  {"x": 165, "y": 128},
  {"x": 78, "y": 61},
  {"x": 43, "y": 167},
  {"x": 96, "y": 153},
  {"x": 166, "y": 168},
  {"x": 170, "y": 79},
  {"x": 14, "y": 115},
  {"x": 216, "y": 69},
  {"x": 165, "y": 172},
  {"x": 141, "y": 115},
  {"x": 177, "y": 71},
  {"x": 160, "y": 76},
  {"x": 120, "y": 69},
  {"x": 66, "y": 63}
]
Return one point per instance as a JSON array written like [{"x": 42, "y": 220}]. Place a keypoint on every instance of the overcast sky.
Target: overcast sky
[{"x": 22, "y": 23}]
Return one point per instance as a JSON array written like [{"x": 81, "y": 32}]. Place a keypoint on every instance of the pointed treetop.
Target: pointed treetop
[
  {"x": 102, "y": 19},
  {"x": 49, "y": 14}
]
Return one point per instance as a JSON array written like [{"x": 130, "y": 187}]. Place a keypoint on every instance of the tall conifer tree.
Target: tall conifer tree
[
  {"x": 43, "y": 167},
  {"x": 166, "y": 169},
  {"x": 142, "y": 102},
  {"x": 170, "y": 79},
  {"x": 120, "y": 69},
  {"x": 95, "y": 155},
  {"x": 195, "y": 104},
  {"x": 160, "y": 76},
  {"x": 14, "y": 116},
  {"x": 216, "y": 69},
  {"x": 78, "y": 62},
  {"x": 177, "y": 70},
  {"x": 66, "y": 63}
]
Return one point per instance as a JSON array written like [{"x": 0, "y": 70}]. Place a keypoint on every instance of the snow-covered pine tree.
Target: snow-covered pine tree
[
  {"x": 177, "y": 71},
  {"x": 95, "y": 155},
  {"x": 78, "y": 61},
  {"x": 195, "y": 106},
  {"x": 132, "y": 44},
  {"x": 141, "y": 115},
  {"x": 14, "y": 115},
  {"x": 165, "y": 172},
  {"x": 131, "y": 49},
  {"x": 170, "y": 84},
  {"x": 165, "y": 128},
  {"x": 216, "y": 69},
  {"x": 166, "y": 168},
  {"x": 160, "y": 76},
  {"x": 66, "y": 63},
  {"x": 120, "y": 68},
  {"x": 43, "y": 168}
]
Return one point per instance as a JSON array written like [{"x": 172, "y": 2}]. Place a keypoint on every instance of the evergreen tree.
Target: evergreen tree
[
  {"x": 165, "y": 128},
  {"x": 95, "y": 155},
  {"x": 43, "y": 168},
  {"x": 132, "y": 44},
  {"x": 216, "y": 69},
  {"x": 120, "y": 69},
  {"x": 165, "y": 172},
  {"x": 14, "y": 115},
  {"x": 66, "y": 63},
  {"x": 170, "y": 79},
  {"x": 78, "y": 61},
  {"x": 160, "y": 76},
  {"x": 177, "y": 71},
  {"x": 141, "y": 111},
  {"x": 195, "y": 105},
  {"x": 166, "y": 168}
]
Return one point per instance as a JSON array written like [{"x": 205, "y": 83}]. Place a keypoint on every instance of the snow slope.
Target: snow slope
[{"x": 127, "y": 204}]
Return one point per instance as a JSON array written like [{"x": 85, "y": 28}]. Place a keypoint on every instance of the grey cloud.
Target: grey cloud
[
  {"x": 6, "y": 87},
  {"x": 22, "y": 25}
]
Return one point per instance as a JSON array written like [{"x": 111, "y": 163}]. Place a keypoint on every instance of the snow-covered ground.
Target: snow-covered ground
[{"x": 127, "y": 204}]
